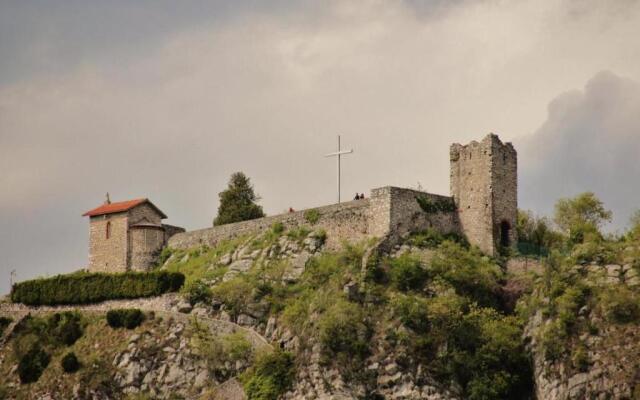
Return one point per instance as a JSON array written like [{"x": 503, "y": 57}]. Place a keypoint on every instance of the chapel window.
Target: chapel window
[{"x": 108, "y": 230}]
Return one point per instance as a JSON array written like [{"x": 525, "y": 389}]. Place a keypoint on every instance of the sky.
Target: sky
[{"x": 165, "y": 99}]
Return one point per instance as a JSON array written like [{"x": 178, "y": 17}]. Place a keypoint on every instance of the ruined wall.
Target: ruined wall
[
  {"x": 390, "y": 210},
  {"x": 341, "y": 221},
  {"x": 108, "y": 255},
  {"x": 396, "y": 211},
  {"x": 484, "y": 186}
]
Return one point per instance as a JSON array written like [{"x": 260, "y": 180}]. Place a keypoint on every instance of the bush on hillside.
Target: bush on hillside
[
  {"x": 312, "y": 216},
  {"x": 83, "y": 288},
  {"x": 32, "y": 364},
  {"x": 70, "y": 363},
  {"x": 198, "y": 292},
  {"x": 65, "y": 327},
  {"x": 343, "y": 333},
  {"x": 235, "y": 294},
  {"x": 407, "y": 273},
  {"x": 621, "y": 305},
  {"x": 129, "y": 318},
  {"x": 470, "y": 272},
  {"x": 271, "y": 376}
]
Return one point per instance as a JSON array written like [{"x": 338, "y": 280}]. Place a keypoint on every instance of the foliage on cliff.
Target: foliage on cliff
[
  {"x": 586, "y": 304},
  {"x": 446, "y": 314}
]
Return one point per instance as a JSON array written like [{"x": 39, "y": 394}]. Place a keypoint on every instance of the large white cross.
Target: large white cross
[{"x": 338, "y": 154}]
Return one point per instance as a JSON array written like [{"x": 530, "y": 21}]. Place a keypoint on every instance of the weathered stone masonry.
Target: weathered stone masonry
[
  {"x": 483, "y": 188},
  {"x": 126, "y": 236}
]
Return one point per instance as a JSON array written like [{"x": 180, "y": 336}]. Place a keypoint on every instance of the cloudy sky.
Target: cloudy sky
[{"x": 165, "y": 99}]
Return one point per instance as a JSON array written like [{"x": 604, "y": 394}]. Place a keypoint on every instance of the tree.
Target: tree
[
  {"x": 581, "y": 215},
  {"x": 634, "y": 231},
  {"x": 238, "y": 202},
  {"x": 536, "y": 230}
]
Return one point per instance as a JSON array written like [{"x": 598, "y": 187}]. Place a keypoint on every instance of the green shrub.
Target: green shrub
[
  {"x": 470, "y": 272},
  {"x": 407, "y": 273},
  {"x": 412, "y": 312},
  {"x": 65, "y": 327},
  {"x": 83, "y": 288},
  {"x": 312, "y": 216},
  {"x": 70, "y": 363},
  {"x": 198, "y": 292},
  {"x": 343, "y": 332},
  {"x": 164, "y": 256},
  {"x": 621, "y": 305},
  {"x": 580, "y": 359},
  {"x": 33, "y": 364},
  {"x": 235, "y": 294},
  {"x": 4, "y": 323},
  {"x": 298, "y": 234},
  {"x": 218, "y": 351},
  {"x": 271, "y": 376},
  {"x": 433, "y": 206},
  {"x": 431, "y": 238},
  {"x": 321, "y": 235},
  {"x": 277, "y": 228},
  {"x": 553, "y": 340},
  {"x": 129, "y": 318}
]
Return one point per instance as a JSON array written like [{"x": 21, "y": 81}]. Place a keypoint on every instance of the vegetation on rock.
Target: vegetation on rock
[
  {"x": 270, "y": 376},
  {"x": 128, "y": 318}
]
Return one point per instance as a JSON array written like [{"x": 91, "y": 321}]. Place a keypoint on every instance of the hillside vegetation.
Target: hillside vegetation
[{"x": 434, "y": 319}]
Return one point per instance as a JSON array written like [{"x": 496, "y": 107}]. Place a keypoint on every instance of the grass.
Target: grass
[
  {"x": 202, "y": 263},
  {"x": 96, "y": 331}
]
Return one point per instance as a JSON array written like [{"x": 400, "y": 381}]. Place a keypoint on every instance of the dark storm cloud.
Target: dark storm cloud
[
  {"x": 589, "y": 142},
  {"x": 48, "y": 37}
]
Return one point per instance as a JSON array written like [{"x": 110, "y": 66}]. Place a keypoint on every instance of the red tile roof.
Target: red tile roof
[{"x": 120, "y": 206}]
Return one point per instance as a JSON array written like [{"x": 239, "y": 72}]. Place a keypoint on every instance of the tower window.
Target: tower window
[{"x": 108, "y": 230}]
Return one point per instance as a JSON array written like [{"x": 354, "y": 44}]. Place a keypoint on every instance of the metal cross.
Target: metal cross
[{"x": 338, "y": 154}]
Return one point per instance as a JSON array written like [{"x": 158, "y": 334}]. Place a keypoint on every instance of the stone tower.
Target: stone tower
[{"x": 484, "y": 179}]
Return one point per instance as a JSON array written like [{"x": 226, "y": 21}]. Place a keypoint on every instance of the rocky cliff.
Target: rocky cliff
[{"x": 278, "y": 315}]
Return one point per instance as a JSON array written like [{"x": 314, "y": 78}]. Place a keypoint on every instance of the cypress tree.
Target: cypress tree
[{"x": 238, "y": 201}]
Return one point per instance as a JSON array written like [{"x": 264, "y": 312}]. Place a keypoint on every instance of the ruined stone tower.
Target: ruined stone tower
[{"x": 484, "y": 179}]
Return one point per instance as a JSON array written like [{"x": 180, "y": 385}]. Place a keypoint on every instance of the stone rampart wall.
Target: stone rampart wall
[
  {"x": 405, "y": 214},
  {"x": 341, "y": 221},
  {"x": 390, "y": 210}
]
